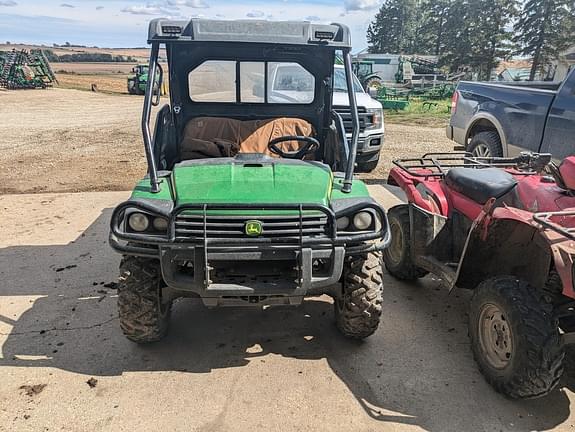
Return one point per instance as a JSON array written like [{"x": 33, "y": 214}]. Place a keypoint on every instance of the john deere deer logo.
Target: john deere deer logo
[{"x": 253, "y": 228}]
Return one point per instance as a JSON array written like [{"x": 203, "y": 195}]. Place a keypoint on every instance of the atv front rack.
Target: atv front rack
[
  {"x": 438, "y": 164},
  {"x": 564, "y": 226}
]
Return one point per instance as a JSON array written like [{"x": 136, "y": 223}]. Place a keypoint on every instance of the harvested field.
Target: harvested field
[
  {"x": 107, "y": 83},
  {"x": 62, "y": 140}
]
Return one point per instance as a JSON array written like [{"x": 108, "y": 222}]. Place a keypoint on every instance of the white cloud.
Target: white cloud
[
  {"x": 355, "y": 5},
  {"x": 197, "y": 4},
  {"x": 312, "y": 18},
  {"x": 255, "y": 14},
  {"x": 8, "y": 3},
  {"x": 149, "y": 9},
  {"x": 67, "y": 5}
]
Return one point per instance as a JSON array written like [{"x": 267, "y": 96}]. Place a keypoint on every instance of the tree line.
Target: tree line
[
  {"x": 475, "y": 34},
  {"x": 88, "y": 57}
]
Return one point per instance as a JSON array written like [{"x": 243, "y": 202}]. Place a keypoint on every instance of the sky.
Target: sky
[{"x": 123, "y": 23}]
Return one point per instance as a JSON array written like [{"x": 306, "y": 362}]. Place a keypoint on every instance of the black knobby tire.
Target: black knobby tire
[
  {"x": 486, "y": 144},
  {"x": 359, "y": 306},
  {"x": 529, "y": 333},
  {"x": 398, "y": 258},
  {"x": 144, "y": 316}
]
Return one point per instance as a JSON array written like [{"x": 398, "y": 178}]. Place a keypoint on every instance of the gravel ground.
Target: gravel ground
[{"x": 74, "y": 141}]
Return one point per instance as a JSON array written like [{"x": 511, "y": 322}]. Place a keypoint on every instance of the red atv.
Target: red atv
[{"x": 503, "y": 228}]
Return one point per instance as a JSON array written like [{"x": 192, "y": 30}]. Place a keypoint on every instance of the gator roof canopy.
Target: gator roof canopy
[{"x": 249, "y": 31}]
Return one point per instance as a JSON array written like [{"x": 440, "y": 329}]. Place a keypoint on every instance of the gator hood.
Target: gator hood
[{"x": 251, "y": 179}]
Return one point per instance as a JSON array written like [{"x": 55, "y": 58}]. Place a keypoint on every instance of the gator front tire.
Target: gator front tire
[
  {"x": 515, "y": 338},
  {"x": 358, "y": 307},
  {"x": 144, "y": 315},
  {"x": 486, "y": 144},
  {"x": 397, "y": 256}
]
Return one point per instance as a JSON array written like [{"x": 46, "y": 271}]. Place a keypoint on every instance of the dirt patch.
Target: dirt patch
[
  {"x": 61, "y": 140},
  {"x": 33, "y": 390}
]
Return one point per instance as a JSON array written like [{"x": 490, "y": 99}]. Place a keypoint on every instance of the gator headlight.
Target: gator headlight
[
  {"x": 160, "y": 224},
  {"x": 138, "y": 222},
  {"x": 362, "y": 220},
  {"x": 342, "y": 223}
]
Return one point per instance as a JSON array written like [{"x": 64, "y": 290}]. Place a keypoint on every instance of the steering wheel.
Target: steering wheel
[{"x": 310, "y": 146}]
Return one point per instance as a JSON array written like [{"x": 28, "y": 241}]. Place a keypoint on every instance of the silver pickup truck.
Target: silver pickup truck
[{"x": 371, "y": 133}]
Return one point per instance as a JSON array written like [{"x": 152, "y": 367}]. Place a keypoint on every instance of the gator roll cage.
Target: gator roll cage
[{"x": 150, "y": 100}]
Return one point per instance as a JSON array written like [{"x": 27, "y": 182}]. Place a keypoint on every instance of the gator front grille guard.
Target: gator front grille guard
[{"x": 143, "y": 244}]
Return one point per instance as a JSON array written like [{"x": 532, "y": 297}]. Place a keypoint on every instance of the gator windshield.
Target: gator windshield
[{"x": 245, "y": 82}]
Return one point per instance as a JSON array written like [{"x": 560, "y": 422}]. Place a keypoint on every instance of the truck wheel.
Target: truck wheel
[
  {"x": 367, "y": 167},
  {"x": 486, "y": 144},
  {"x": 358, "y": 307},
  {"x": 515, "y": 338},
  {"x": 144, "y": 315},
  {"x": 397, "y": 256}
]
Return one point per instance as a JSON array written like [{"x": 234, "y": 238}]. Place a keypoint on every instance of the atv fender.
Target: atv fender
[
  {"x": 426, "y": 195},
  {"x": 504, "y": 241}
]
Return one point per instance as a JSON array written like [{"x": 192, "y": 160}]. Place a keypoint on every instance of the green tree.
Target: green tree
[
  {"x": 544, "y": 29},
  {"x": 433, "y": 28},
  {"x": 477, "y": 35},
  {"x": 394, "y": 27}
]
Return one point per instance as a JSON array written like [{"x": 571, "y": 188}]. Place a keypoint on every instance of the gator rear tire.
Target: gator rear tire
[
  {"x": 397, "y": 256},
  {"x": 486, "y": 144},
  {"x": 144, "y": 314},
  {"x": 358, "y": 308},
  {"x": 515, "y": 338}
]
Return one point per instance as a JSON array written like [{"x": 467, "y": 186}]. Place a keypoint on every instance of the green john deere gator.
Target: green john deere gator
[{"x": 250, "y": 198}]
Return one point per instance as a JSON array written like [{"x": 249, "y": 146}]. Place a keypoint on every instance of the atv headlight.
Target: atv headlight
[
  {"x": 342, "y": 223},
  {"x": 138, "y": 222},
  {"x": 160, "y": 224},
  {"x": 362, "y": 220}
]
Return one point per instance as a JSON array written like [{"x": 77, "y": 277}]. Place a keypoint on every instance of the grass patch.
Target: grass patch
[{"x": 432, "y": 113}]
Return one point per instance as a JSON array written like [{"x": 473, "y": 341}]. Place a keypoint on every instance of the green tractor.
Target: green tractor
[
  {"x": 138, "y": 83},
  {"x": 249, "y": 199},
  {"x": 363, "y": 69}
]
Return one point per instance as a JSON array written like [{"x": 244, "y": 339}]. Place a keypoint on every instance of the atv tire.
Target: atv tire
[
  {"x": 397, "y": 257},
  {"x": 358, "y": 307},
  {"x": 144, "y": 315},
  {"x": 486, "y": 144},
  {"x": 515, "y": 338}
]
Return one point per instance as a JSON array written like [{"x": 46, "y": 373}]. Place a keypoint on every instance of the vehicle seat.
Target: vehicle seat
[
  {"x": 480, "y": 184},
  {"x": 206, "y": 136}
]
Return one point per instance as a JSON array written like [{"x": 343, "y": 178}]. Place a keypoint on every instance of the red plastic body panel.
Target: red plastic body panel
[
  {"x": 426, "y": 193},
  {"x": 567, "y": 170}
]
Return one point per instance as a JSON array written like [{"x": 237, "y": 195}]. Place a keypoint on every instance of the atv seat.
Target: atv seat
[{"x": 480, "y": 184}]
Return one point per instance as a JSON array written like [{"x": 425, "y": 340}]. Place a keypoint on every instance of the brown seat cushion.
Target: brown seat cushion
[{"x": 250, "y": 136}]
